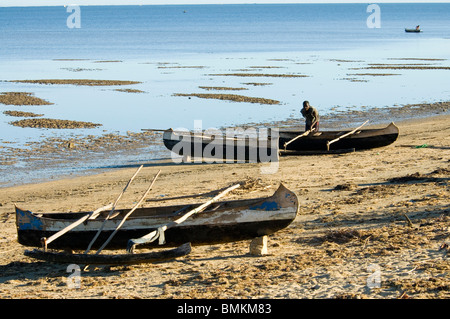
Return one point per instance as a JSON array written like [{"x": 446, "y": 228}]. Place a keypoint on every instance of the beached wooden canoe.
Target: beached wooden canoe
[
  {"x": 318, "y": 142},
  {"x": 269, "y": 149},
  {"x": 220, "y": 147},
  {"x": 222, "y": 222}
]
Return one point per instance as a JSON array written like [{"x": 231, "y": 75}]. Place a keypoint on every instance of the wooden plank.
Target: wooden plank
[
  {"x": 127, "y": 215},
  {"x": 297, "y": 137},
  {"x": 112, "y": 210},
  {"x": 119, "y": 259}
]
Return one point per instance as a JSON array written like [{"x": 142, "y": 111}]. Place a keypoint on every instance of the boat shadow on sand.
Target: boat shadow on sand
[
  {"x": 37, "y": 270},
  {"x": 166, "y": 162}
]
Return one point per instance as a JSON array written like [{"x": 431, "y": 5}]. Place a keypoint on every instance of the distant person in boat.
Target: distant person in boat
[
  {"x": 418, "y": 27},
  {"x": 311, "y": 117}
]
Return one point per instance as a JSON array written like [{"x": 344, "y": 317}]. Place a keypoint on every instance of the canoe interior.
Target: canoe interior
[
  {"x": 360, "y": 140},
  {"x": 170, "y": 212}
]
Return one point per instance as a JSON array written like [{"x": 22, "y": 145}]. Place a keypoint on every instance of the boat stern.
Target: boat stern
[{"x": 26, "y": 220}]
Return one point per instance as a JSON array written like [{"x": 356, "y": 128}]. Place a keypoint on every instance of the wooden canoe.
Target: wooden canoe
[
  {"x": 222, "y": 222},
  {"x": 360, "y": 140},
  {"x": 110, "y": 259},
  {"x": 220, "y": 147}
]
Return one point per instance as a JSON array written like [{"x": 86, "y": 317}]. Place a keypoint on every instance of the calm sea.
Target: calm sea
[
  {"x": 182, "y": 49},
  {"x": 128, "y": 32}
]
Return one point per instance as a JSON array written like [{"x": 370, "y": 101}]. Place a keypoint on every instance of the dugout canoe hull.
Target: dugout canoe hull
[
  {"x": 361, "y": 140},
  {"x": 225, "y": 221},
  {"x": 220, "y": 148}
]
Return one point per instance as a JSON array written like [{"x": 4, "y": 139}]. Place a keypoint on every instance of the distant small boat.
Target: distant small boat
[{"x": 413, "y": 30}]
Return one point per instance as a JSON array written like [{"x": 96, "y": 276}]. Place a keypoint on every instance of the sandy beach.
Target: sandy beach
[{"x": 372, "y": 224}]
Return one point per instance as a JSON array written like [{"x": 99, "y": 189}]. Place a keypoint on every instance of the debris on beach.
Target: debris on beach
[
  {"x": 251, "y": 183},
  {"x": 417, "y": 177},
  {"x": 346, "y": 187}
]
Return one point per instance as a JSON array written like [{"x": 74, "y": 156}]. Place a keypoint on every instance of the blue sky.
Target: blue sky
[{"x": 7, "y": 3}]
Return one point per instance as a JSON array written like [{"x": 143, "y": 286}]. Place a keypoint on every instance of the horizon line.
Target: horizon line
[{"x": 15, "y": 3}]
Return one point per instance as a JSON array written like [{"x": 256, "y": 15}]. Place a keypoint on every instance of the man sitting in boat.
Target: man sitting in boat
[
  {"x": 418, "y": 28},
  {"x": 311, "y": 117}
]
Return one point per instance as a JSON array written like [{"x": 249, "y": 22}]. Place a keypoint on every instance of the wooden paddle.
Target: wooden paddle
[
  {"x": 159, "y": 233},
  {"x": 112, "y": 210},
  {"x": 345, "y": 135},
  {"x": 297, "y": 137},
  {"x": 127, "y": 215},
  {"x": 93, "y": 215}
]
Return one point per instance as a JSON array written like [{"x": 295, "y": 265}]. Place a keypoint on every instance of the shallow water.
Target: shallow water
[
  {"x": 179, "y": 56},
  {"x": 332, "y": 83}
]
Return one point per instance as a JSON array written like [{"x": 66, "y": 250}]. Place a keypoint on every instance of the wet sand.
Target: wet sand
[{"x": 371, "y": 224}]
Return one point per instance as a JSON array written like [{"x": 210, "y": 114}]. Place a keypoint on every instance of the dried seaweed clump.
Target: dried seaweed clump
[
  {"x": 223, "y": 88},
  {"x": 21, "y": 98},
  {"x": 261, "y": 75},
  {"x": 418, "y": 177},
  {"x": 342, "y": 236},
  {"x": 346, "y": 187},
  {"x": 87, "y": 82},
  {"x": 250, "y": 184},
  {"x": 129, "y": 90},
  {"x": 53, "y": 123},
  {"x": 22, "y": 114},
  {"x": 231, "y": 97}
]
